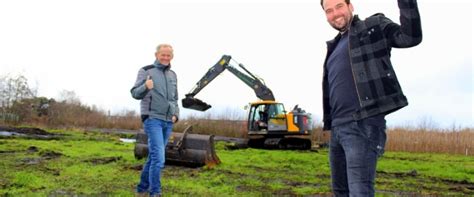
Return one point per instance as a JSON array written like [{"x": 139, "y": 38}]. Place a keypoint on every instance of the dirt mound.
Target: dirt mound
[{"x": 25, "y": 130}]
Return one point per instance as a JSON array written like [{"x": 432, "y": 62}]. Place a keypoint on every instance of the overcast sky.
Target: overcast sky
[{"x": 95, "y": 49}]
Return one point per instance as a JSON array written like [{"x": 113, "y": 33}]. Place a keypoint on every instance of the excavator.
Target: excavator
[{"x": 268, "y": 123}]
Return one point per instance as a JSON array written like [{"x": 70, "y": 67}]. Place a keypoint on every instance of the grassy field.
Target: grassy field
[{"x": 91, "y": 163}]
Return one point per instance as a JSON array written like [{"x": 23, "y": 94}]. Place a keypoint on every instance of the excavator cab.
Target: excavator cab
[
  {"x": 266, "y": 117},
  {"x": 270, "y": 126},
  {"x": 270, "y": 117}
]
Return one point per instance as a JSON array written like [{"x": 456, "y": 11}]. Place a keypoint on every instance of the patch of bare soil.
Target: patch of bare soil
[
  {"x": 136, "y": 167},
  {"x": 412, "y": 173},
  {"x": 7, "y": 151},
  {"x": 267, "y": 191},
  {"x": 103, "y": 160},
  {"x": 464, "y": 186},
  {"x": 48, "y": 154},
  {"x": 26, "y": 132},
  {"x": 44, "y": 155}
]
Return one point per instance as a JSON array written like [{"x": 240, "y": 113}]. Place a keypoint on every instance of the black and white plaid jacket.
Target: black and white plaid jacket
[{"x": 370, "y": 43}]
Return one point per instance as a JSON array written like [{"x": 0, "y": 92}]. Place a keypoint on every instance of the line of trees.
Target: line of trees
[{"x": 19, "y": 104}]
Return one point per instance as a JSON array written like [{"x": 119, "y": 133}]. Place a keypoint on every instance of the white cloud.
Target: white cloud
[{"x": 96, "y": 48}]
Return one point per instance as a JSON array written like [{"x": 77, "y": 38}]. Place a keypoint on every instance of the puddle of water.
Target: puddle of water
[
  {"x": 127, "y": 140},
  {"x": 8, "y": 133}
]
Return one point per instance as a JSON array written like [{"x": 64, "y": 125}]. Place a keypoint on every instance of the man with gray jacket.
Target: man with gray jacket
[{"x": 156, "y": 87}]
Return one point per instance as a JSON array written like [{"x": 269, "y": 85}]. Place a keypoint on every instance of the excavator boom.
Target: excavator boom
[{"x": 261, "y": 90}]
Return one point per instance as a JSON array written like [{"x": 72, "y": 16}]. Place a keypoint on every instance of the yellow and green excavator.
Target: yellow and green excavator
[{"x": 268, "y": 123}]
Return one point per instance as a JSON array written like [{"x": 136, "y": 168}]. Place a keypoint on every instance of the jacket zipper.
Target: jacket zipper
[
  {"x": 151, "y": 99},
  {"x": 166, "y": 86},
  {"x": 149, "y": 105}
]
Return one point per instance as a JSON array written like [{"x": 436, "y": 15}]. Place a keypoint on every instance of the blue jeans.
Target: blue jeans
[
  {"x": 353, "y": 152},
  {"x": 158, "y": 132}
]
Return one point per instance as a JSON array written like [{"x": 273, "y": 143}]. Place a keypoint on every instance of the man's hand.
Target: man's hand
[
  {"x": 149, "y": 83},
  {"x": 174, "y": 119}
]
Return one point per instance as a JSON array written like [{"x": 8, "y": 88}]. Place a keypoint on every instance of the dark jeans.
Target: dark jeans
[
  {"x": 353, "y": 152},
  {"x": 158, "y": 132}
]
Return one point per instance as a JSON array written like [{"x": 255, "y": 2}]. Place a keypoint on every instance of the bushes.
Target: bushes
[{"x": 49, "y": 113}]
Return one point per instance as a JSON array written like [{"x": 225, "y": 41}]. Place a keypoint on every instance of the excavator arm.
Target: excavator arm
[{"x": 261, "y": 90}]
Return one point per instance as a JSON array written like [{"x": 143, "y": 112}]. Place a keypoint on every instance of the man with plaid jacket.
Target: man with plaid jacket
[{"x": 360, "y": 87}]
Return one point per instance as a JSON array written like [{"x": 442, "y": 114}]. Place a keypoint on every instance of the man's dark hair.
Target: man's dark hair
[{"x": 347, "y": 2}]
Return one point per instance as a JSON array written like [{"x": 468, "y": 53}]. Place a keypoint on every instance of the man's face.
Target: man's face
[
  {"x": 338, "y": 13},
  {"x": 164, "y": 55}
]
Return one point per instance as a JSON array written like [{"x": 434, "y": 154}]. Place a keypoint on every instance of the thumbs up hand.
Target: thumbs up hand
[{"x": 149, "y": 83}]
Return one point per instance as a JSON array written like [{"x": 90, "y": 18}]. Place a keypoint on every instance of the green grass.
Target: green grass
[
  {"x": 438, "y": 165},
  {"x": 90, "y": 163}
]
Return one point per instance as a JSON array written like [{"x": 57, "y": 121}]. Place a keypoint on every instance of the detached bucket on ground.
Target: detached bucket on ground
[{"x": 190, "y": 150}]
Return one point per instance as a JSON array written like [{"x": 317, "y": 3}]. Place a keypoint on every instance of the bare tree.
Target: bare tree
[
  {"x": 14, "y": 89},
  {"x": 69, "y": 97}
]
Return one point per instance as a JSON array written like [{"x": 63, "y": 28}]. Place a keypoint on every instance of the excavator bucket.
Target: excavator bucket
[
  {"x": 191, "y": 150},
  {"x": 194, "y": 103}
]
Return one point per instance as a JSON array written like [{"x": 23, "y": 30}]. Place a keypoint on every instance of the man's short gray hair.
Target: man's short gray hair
[{"x": 164, "y": 46}]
